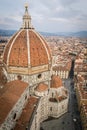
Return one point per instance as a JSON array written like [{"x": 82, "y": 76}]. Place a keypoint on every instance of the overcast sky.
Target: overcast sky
[{"x": 47, "y": 15}]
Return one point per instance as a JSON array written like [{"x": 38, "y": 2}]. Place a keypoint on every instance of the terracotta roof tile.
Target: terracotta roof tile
[
  {"x": 19, "y": 53},
  {"x": 19, "y": 50},
  {"x": 37, "y": 51},
  {"x": 9, "y": 96},
  {"x": 61, "y": 68},
  {"x": 7, "y": 48},
  {"x": 26, "y": 115},
  {"x": 56, "y": 82},
  {"x": 42, "y": 87}
]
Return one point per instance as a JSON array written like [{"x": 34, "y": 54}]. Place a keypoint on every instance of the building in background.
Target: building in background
[{"x": 80, "y": 74}]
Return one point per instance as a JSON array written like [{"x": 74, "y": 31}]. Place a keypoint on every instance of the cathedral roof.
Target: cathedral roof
[
  {"x": 56, "y": 82},
  {"x": 9, "y": 95},
  {"x": 26, "y": 48},
  {"x": 42, "y": 87},
  {"x": 27, "y": 114}
]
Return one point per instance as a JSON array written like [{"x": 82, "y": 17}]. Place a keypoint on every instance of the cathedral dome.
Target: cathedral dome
[
  {"x": 56, "y": 82},
  {"x": 42, "y": 87},
  {"x": 26, "y": 48},
  {"x": 41, "y": 90}
]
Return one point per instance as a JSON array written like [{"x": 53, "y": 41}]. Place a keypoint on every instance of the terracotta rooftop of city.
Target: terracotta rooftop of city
[
  {"x": 80, "y": 78},
  {"x": 82, "y": 92},
  {"x": 61, "y": 68}
]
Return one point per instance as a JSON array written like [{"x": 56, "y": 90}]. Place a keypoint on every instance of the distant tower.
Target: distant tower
[{"x": 26, "y": 19}]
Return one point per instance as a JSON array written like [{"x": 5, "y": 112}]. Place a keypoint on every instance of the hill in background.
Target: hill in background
[
  {"x": 82, "y": 34},
  {"x": 7, "y": 32}
]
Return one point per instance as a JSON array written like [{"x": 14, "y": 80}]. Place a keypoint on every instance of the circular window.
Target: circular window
[
  {"x": 19, "y": 77},
  {"x": 39, "y": 76}
]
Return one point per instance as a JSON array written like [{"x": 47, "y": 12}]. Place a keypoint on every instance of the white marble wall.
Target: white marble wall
[
  {"x": 31, "y": 79},
  {"x": 62, "y": 74},
  {"x": 44, "y": 108},
  {"x": 9, "y": 122},
  {"x": 56, "y": 109}
]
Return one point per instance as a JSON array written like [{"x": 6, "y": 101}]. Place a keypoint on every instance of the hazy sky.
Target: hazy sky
[{"x": 47, "y": 15}]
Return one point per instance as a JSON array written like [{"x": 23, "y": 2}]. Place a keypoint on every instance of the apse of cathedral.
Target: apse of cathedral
[{"x": 31, "y": 93}]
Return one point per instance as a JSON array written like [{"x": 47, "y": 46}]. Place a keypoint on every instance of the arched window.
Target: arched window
[
  {"x": 25, "y": 97},
  {"x": 52, "y": 94},
  {"x": 28, "y": 24},
  {"x": 14, "y": 117},
  {"x": 25, "y": 25},
  {"x": 50, "y": 108}
]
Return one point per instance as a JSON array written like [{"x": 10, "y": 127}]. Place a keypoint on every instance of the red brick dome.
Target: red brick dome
[
  {"x": 56, "y": 82},
  {"x": 42, "y": 87},
  {"x": 26, "y": 48}
]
